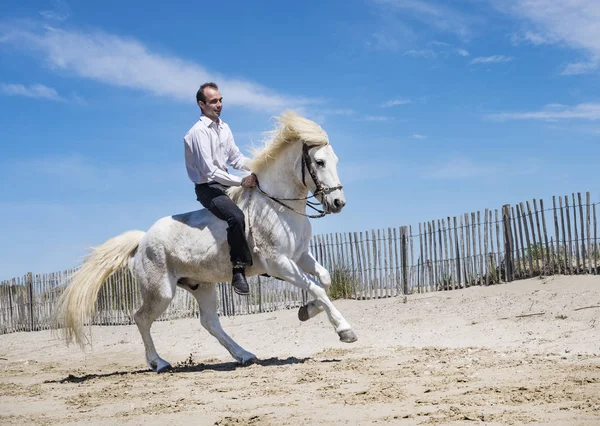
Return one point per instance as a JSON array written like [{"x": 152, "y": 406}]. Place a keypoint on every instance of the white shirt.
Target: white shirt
[{"x": 209, "y": 147}]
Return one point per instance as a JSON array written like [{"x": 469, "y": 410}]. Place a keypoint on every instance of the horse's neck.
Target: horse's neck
[{"x": 280, "y": 180}]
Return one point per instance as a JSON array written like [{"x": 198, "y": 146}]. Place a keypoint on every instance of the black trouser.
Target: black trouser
[{"x": 213, "y": 196}]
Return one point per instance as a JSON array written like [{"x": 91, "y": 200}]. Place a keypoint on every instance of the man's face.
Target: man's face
[{"x": 213, "y": 105}]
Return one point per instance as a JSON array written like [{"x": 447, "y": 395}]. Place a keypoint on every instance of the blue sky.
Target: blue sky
[{"x": 434, "y": 108}]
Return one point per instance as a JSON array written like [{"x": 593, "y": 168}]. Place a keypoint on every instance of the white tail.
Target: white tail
[{"x": 76, "y": 304}]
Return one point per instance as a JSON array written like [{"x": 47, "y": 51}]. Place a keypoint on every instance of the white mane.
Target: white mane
[{"x": 291, "y": 128}]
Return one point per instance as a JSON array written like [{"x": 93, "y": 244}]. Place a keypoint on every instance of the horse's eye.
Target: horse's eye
[{"x": 320, "y": 163}]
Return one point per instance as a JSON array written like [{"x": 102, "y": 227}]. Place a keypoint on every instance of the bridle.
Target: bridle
[{"x": 307, "y": 164}]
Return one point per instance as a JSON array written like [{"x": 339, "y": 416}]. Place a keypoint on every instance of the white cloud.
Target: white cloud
[
  {"x": 395, "y": 102},
  {"x": 437, "y": 49},
  {"x": 423, "y": 53},
  {"x": 531, "y": 37},
  {"x": 553, "y": 112},
  {"x": 573, "y": 23},
  {"x": 437, "y": 16},
  {"x": 126, "y": 62},
  {"x": 377, "y": 118},
  {"x": 495, "y": 59},
  {"x": 577, "y": 68},
  {"x": 418, "y": 136},
  {"x": 36, "y": 91},
  {"x": 61, "y": 11},
  {"x": 384, "y": 41},
  {"x": 337, "y": 111}
]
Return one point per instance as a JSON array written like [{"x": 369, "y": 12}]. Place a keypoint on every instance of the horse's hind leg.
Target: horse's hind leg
[
  {"x": 156, "y": 296},
  {"x": 206, "y": 295}
]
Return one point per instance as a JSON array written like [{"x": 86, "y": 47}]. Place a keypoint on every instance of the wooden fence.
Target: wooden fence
[{"x": 480, "y": 248}]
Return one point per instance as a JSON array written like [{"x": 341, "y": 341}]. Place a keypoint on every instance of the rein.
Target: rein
[{"x": 308, "y": 165}]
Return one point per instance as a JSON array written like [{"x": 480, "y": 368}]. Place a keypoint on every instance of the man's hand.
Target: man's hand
[{"x": 250, "y": 181}]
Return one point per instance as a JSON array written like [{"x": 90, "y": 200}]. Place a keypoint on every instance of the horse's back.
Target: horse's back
[{"x": 187, "y": 242}]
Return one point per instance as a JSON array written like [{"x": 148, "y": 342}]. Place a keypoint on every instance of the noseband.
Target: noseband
[{"x": 307, "y": 164}]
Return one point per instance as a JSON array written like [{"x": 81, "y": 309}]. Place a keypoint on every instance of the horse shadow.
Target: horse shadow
[{"x": 186, "y": 367}]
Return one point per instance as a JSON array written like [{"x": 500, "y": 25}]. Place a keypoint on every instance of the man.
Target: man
[{"x": 209, "y": 147}]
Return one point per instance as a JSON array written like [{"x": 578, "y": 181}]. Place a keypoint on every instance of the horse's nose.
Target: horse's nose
[{"x": 338, "y": 203}]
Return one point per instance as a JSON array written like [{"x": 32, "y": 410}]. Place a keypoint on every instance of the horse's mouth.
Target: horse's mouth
[{"x": 334, "y": 206}]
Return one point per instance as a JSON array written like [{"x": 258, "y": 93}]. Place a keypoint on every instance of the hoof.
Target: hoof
[
  {"x": 160, "y": 366},
  {"x": 303, "y": 313},
  {"x": 347, "y": 336},
  {"x": 248, "y": 359}
]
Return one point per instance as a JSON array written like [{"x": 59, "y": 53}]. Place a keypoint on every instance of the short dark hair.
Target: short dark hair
[{"x": 200, "y": 93}]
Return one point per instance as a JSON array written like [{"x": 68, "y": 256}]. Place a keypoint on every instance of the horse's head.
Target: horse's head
[
  {"x": 319, "y": 174},
  {"x": 300, "y": 148}
]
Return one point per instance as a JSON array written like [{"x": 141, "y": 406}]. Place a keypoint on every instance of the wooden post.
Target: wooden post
[
  {"x": 352, "y": 264},
  {"x": 447, "y": 270},
  {"x": 404, "y": 258},
  {"x": 492, "y": 253},
  {"x": 357, "y": 246},
  {"x": 465, "y": 255},
  {"x": 31, "y": 303},
  {"x": 479, "y": 247},
  {"x": 397, "y": 276},
  {"x": 260, "y": 306},
  {"x": 570, "y": 234},
  {"x": 431, "y": 241},
  {"x": 420, "y": 261},
  {"x": 376, "y": 270},
  {"x": 441, "y": 269},
  {"x": 518, "y": 239},
  {"x": 539, "y": 231},
  {"x": 589, "y": 232},
  {"x": 583, "y": 248},
  {"x": 370, "y": 265},
  {"x": 468, "y": 253},
  {"x": 577, "y": 255},
  {"x": 521, "y": 213},
  {"x": 391, "y": 276},
  {"x": 595, "y": 243},
  {"x": 380, "y": 243},
  {"x": 412, "y": 256},
  {"x": 556, "y": 235},
  {"x": 425, "y": 259},
  {"x": 436, "y": 273},
  {"x": 485, "y": 248},
  {"x": 508, "y": 243},
  {"x": 567, "y": 268},
  {"x": 549, "y": 263},
  {"x": 535, "y": 244},
  {"x": 451, "y": 259},
  {"x": 498, "y": 252}
]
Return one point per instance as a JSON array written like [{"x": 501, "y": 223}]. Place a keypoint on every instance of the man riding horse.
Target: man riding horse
[{"x": 209, "y": 148}]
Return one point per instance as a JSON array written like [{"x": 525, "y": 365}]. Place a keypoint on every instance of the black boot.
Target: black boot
[{"x": 239, "y": 283}]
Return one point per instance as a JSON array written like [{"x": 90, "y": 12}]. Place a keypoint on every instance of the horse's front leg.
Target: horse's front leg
[
  {"x": 310, "y": 265},
  {"x": 288, "y": 270}
]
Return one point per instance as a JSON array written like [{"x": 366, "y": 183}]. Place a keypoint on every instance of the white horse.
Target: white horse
[{"x": 190, "y": 250}]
